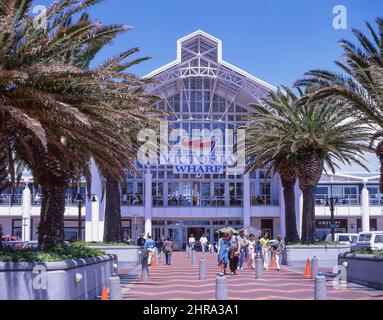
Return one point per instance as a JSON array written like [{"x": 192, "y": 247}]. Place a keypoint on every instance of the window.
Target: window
[
  {"x": 365, "y": 237},
  {"x": 344, "y": 239},
  {"x": 321, "y": 194},
  {"x": 157, "y": 194},
  {"x": 235, "y": 189},
  {"x": 374, "y": 195},
  {"x": 379, "y": 239}
]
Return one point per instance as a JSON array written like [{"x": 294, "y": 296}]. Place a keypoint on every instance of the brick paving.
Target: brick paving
[{"x": 181, "y": 282}]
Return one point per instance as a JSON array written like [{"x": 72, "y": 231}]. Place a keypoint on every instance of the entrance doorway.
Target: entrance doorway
[{"x": 198, "y": 233}]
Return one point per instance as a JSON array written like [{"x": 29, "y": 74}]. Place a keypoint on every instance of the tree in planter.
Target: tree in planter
[
  {"x": 266, "y": 147},
  {"x": 81, "y": 114},
  {"x": 325, "y": 135},
  {"x": 360, "y": 89},
  {"x": 310, "y": 136}
]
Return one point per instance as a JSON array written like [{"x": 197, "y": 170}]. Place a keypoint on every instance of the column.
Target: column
[
  {"x": 26, "y": 217},
  {"x": 148, "y": 202},
  {"x": 365, "y": 206},
  {"x": 298, "y": 208},
  {"x": 282, "y": 209},
  {"x": 246, "y": 202},
  {"x": 95, "y": 211}
]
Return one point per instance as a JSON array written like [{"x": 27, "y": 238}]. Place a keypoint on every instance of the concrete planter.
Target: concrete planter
[
  {"x": 81, "y": 279},
  {"x": 327, "y": 255},
  {"x": 128, "y": 257},
  {"x": 364, "y": 269}
]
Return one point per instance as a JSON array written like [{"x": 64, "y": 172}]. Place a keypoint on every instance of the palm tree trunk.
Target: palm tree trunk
[
  {"x": 112, "y": 224},
  {"x": 290, "y": 215},
  {"x": 379, "y": 153},
  {"x": 54, "y": 179},
  {"x": 4, "y": 162},
  {"x": 309, "y": 173},
  {"x": 308, "y": 217},
  {"x": 51, "y": 227}
]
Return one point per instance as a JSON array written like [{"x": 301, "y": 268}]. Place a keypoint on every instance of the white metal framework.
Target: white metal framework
[{"x": 200, "y": 55}]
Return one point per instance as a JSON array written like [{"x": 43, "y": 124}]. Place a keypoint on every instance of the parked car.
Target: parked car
[
  {"x": 369, "y": 240},
  {"x": 343, "y": 238},
  {"x": 12, "y": 242},
  {"x": 31, "y": 245},
  {"x": 15, "y": 244},
  {"x": 10, "y": 238}
]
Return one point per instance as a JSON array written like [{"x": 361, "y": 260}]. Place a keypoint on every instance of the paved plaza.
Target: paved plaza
[{"x": 181, "y": 282}]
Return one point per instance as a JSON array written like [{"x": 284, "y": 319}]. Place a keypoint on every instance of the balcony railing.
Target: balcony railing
[
  {"x": 132, "y": 201},
  {"x": 11, "y": 200},
  {"x": 264, "y": 201},
  {"x": 375, "y": 201},
  {"x": 346, "y": 200},
  {"x": 196, "y": 202},
  {"x": 70, "y": 201}
]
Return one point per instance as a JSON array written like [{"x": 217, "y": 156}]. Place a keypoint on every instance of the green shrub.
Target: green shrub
[
  {"x": 315, "y": 244},
  {"x": 366, "y": 251},
  {"x": 59, "y": 253},
  {"x": 106, "y": 244}
]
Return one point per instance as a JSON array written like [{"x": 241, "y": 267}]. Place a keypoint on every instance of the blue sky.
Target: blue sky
[{"x": 275, "y": 40}]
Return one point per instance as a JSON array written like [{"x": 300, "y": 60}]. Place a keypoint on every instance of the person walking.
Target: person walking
[
  {"x": 223, "y": 253},
  {"x": 251, "y": 244},
  {"x": 264, "y": 242},
  {"x": 243, "y": 243},
  {"x": 159, "y": 246},
  {"x": 203, "y": 241},
  {"x": 141, "y": 240},
  {"x": 278, "y": 249},
  {"x": 192, "y": 242},
  {"x": 234, "y": 252},
  {"x": 167, "y": 248},
  {"x": 149, "y": 248}
]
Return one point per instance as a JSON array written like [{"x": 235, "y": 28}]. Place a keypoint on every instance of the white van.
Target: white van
[
  {"x": 369, "y": 240},
  {"x": 343, "y": 238}
]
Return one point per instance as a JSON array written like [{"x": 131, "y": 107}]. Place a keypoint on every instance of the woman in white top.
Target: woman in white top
[
  {"x": 192, "y": 242},
  {"x": 251, "y": 244}
]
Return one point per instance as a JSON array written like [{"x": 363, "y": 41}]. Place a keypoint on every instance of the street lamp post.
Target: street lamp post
[
  {"x": 331, "y": 203},
  {"x": 80, "y": 200}
]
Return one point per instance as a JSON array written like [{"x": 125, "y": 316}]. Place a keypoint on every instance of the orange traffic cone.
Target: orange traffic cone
[
  {"x": 104, "y": 295},
  {"x": 273, "y": 262},
  {"x": 308, "y": 270},
  {"x": 154, "y": 263}
]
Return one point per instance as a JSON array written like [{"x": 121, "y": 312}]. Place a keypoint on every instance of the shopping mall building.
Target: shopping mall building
[{"x": 197, "y": 187}]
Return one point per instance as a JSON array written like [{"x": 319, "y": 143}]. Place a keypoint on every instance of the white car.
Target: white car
[
  {"x": 343, "y": 238},
  {"x": 369, "y": 240}
]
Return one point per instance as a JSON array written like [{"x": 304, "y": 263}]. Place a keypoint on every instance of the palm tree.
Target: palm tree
[
  {"x": 359, "y": 87},
  {"x": 265, "y": 147},
  {"x": 310, "y": 136},
  {"x": 65, "y": 114}
]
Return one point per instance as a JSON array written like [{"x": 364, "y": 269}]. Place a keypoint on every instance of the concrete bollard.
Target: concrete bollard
[
  {"x": 144, "y": 269},
  {"x": 320, "y": 288},
  {"x": 314, "y": 268},
  {"x": 258, "y": 268},
  {"x": 115, "y": 288},
  {"x": 193, "y": 258},
  {"x": 221, "y": 289},
  {"x": 189, "y": 252},
  {"x": 202, "y": 270}
]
